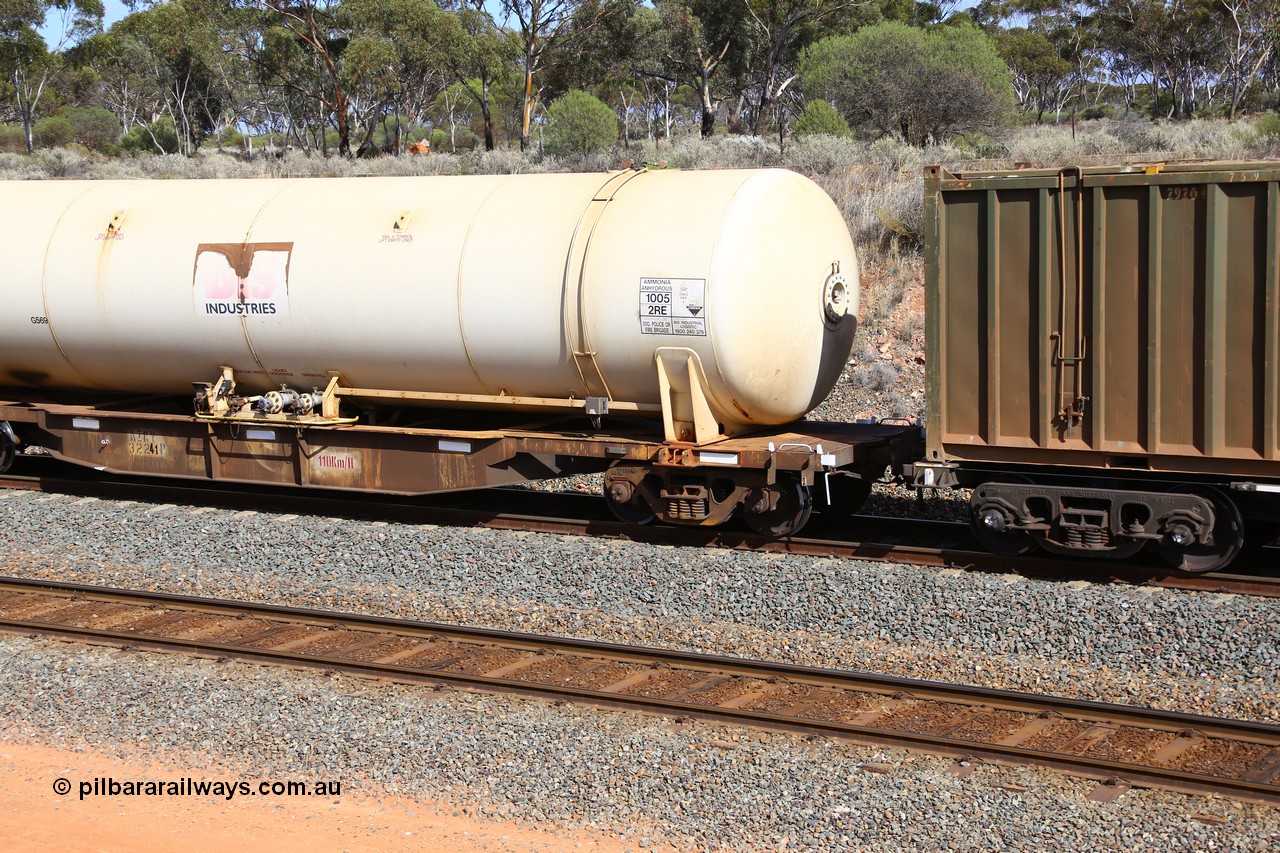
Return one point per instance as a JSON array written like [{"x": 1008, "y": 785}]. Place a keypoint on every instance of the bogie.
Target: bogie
[{"x": 1193, "y": 528}]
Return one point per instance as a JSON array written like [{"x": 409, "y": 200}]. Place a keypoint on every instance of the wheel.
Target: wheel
[
  {"x": 793, "y": 507},
  {"x": 8, "y": 450},
  {"x": 626, "y": 503},
  {"x": 988, "y": 528},
  {"x": 1228, "y": 536}
]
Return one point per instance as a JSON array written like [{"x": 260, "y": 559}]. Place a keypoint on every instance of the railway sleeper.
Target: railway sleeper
[{"x": 1193, "y": 528}]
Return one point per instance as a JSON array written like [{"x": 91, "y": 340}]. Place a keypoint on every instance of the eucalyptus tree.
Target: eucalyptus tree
[
  {"x": 26, "y": 61},
  {"x": 547, "y": 25},
  {"x": 606, "y": 63},
  {"x": 309, "y": 30},
  {"x": 698, "y": 43},
  {"x": 483, "y": 53},
  {"x": 124, "y": 80},
  {"x": 782, "y": 30},
  {"x": 1176, "y": 41},
  {"x": 173, "y": 52},
  {"x": 1071, "y": 27},
  {"x": 1041, "y": 76},
  {"x": 1252, "y": 35},
  {"x": 393, "y": 62}
]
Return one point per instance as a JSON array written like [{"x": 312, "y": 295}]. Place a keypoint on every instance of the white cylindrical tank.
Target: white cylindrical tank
[{"x": 555, "y": 286}]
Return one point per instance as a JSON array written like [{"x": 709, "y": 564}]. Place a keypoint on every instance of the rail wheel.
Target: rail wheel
[
  {"x": 1228, "y": 536},
  {"x": 8, "y": 449},
  {"x": 989, "y": 523},
  {"x": 626, "y": 502},
  {"x": 792, "y": 506}
]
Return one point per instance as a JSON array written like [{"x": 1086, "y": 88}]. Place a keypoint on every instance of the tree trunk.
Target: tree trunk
[
  {"x": 487, "y": 114},
  {"x": 666, "y": 111},
  {"x": 708, "y": 108},
  {"x": 626, "y": 121},
  {"x": 528, "y": 105},
  {"x": 344, "y": 124}
]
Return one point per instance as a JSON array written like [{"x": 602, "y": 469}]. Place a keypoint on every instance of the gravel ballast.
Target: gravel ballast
[
  {"x": 1203, "y": 653},
  {"x": 681, "y": 786}
]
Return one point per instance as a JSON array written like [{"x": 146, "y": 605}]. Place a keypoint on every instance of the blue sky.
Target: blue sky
[
  {"x": 115, "y": 11},
  {"x": 52, "y": 29}
]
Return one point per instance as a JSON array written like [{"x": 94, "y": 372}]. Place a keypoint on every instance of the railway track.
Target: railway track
[
  {"x": 898, "y": 540},
  {"x": 1120, "y": 746}
]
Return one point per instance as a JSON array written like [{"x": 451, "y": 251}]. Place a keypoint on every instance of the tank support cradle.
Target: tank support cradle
[{"x": 686, "y": 411}]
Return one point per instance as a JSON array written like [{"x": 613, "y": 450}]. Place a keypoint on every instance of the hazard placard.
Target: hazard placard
[{"x": 673, "y": 306}]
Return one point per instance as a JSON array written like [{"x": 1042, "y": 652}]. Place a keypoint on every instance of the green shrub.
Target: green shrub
[
  {"x": 891, "y": 79},
  {"x": 580, "y": 123},
  {"x": 53, "y": 132},
  {"x": 93, "y": 127},
  {"x": 819, "y": 117},
  {"x": 465, "y": 139},
  {"x": 233, "y": 139},
  {"x": 12, "y": 139},
  {"x": 158, "y": 137},
  {"x": 1268, "y": 124}
]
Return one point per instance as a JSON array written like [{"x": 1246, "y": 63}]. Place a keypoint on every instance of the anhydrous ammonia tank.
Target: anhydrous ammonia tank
[{"x": 552, "y": 286}]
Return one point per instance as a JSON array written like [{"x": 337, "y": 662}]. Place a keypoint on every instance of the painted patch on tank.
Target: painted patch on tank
[
  {"x": 673, "y": 306},
  {"x": 242, "y": 279}
]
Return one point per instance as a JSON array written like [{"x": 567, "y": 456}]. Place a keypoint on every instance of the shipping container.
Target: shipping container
[{"x": 1116, "y": 319}]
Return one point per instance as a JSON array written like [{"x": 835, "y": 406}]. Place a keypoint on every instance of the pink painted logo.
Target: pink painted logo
[{"x": 244, "y": 279}]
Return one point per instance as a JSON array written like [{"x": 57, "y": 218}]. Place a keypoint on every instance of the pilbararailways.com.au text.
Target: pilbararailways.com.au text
[{"x": 106, "y": 786}]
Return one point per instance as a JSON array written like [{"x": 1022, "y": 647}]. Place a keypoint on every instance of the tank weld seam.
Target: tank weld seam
[
  {"x": 44, "y": 288},
  {"x": 462, "y": 260},
  {"x": 248, "y": 236}
]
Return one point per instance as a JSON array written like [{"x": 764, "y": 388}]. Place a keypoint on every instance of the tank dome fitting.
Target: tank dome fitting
[{"x": 835, "y": 298}]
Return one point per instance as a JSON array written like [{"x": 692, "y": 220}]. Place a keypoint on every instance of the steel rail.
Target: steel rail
[
  {"x": 1171, "y": 734},
  {"x": 584, "y": 515}
]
